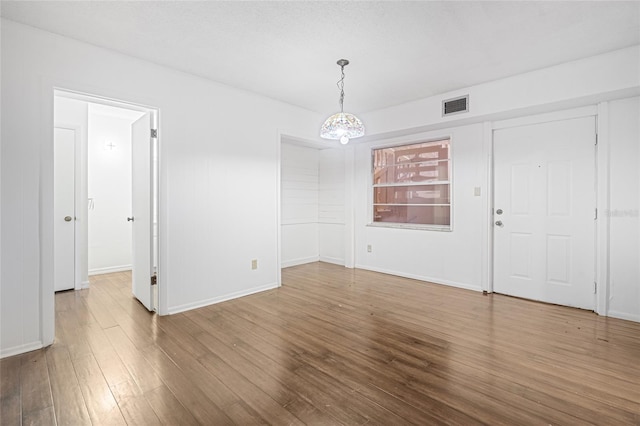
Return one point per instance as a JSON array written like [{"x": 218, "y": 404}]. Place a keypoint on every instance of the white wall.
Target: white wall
[
  {"x": 218, "y": 176},
  {"x": 462, "y": 257},
  {"x": 587, "y": 81},
  {"x": 219, "y": 166},
  {"x": 109, "y": 189},
  {"x": 313, "y": 205},
  {"x": 299, "y": 213},
  {"x": 453, "y": 258},
  {"x": 624, "y": 157},
  {"x": 331, "y": 205}
]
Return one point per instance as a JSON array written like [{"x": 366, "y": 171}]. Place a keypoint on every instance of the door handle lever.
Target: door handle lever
[
  {"x": 499, "y": 223},
  {"x": 129, "y": 219}
]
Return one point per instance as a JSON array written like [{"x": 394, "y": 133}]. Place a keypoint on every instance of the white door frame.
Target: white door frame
[
  {"x": 601, "y": 167},
  {"x": 49, "y": 91}
]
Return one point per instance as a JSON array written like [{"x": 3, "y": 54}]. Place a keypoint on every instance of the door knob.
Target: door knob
[
  {"x": 499, "y": 211},
  {"x": 498, "y": 223},
  {"x": 67, "y": 218},
  {"x": 129, "y": 219}
]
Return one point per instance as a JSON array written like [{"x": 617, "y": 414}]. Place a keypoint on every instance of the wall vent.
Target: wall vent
[{"x": 455, "y": 105}]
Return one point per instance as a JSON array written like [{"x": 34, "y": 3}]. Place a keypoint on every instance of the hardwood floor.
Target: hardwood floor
[{"x": 332, "y": 346}]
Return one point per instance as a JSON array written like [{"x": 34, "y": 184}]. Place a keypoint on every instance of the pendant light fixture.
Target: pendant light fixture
[{"x": 342, "y": 125}]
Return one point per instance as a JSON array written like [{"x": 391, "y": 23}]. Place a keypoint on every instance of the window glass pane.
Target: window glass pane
[
  {"x": 419, "y": 215},
  {"x": 425, "y": 171},
  {"x": 405, "y": 163},
  {"x": 414, "y": 194},
  {"x": 411, "y": 184}
]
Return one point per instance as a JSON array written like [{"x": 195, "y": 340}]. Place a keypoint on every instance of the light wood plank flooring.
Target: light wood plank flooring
[{"x": 332, "y": 346}]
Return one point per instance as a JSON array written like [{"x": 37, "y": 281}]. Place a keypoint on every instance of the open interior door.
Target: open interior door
[{"x": 142, "y": 210}]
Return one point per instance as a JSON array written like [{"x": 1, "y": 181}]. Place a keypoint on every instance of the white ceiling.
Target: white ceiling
[{"x": 399, "y": 50}]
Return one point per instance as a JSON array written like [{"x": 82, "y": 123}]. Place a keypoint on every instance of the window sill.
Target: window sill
[{"x": 416, "y": 227}]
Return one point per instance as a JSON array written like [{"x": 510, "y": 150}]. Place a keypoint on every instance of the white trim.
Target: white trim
[
  {"x": 334, "y": 260},
  {"x": 279, "y": 137},
  {"x": 421, "y": 183},
  {"x": 486, "y": 280},
  {"x": 45, "y": 222},
  {"x": 219, "y": 299},
  {"x": 413, "y": 138},
  {"x": 291, "y": 222},
  {"x": 625, "y": 316},
  {"x": 109, "y": 270},
  {"x": 411, "y": 205},
  {"x": 103, "y": 100},
  {"x": 603, "y": 223},
  {"x": 413, "y": 226},
  {"x": 349, "y": 236},
  {"x": 83, "y": 285},
  {"x": 422, "y": 278},
  {"x": 20, "y": 349},
  {"x": 299, "y": 261},
  {"x": 547, "y": 117},
  {"x": 162, "y": 222}
]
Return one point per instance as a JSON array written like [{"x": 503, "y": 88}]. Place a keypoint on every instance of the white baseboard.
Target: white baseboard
[
  {"x": 109, "y": 270},
  {"x": 17, "y": 350},
  {"x": 299, "y": 261},
  {"x": 422, "y": 278},
  {"x": 83, "y": 285},
  {"x": 213, "y": 301},
  {"x": 624, "y": 316},
  {"x": 334, "y": 260}
]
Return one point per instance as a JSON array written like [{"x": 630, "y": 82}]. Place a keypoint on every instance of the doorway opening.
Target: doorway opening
[{"x": 105, "y": 192}]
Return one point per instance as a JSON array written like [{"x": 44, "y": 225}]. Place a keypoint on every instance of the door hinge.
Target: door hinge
[
  {"x": 154, "y": 133},
  {"x": 595, "y": 287},
  {"x": 154, "y": 279},
  {"x": 595, "y": 217},
  {"x": 596, "y": 139}
]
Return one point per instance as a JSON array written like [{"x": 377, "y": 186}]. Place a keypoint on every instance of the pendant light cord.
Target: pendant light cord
[{"x": 341, "y": 87}]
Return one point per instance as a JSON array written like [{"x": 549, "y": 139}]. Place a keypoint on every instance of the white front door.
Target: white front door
[
  {"x": 64, "y": 177},
  {"x": 544, "y": 211},
  {"x": 142, "y": 210}
]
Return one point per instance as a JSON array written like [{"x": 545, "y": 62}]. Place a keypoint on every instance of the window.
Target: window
[{"x": 411, "y": 185}]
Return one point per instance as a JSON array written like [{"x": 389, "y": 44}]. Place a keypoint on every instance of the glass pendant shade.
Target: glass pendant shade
[{"x": 342, "y": 124}]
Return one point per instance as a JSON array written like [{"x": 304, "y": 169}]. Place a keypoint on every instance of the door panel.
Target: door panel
[
  {"x": 64, "y": 208},
  {"x": 544, "y": 245},
  {"x": 142, "y": 210}
]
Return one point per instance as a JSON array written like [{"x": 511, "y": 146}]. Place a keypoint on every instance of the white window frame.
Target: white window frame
[{"x": 415, "y": 226}]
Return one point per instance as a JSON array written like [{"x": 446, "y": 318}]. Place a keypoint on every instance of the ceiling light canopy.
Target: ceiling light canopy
[{"x": 342, "y": 126}]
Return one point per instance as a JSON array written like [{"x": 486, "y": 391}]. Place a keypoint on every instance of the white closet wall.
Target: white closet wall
[{"x": 299, "y": 214}]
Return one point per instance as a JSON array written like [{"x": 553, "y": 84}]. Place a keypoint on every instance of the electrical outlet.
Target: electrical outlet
[
  {"x": 254, "y": 264},
  {"x": 369, "y": 248}
]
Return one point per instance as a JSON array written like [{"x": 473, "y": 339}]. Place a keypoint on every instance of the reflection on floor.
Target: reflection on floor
[{"x": 332, "y": 346}]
